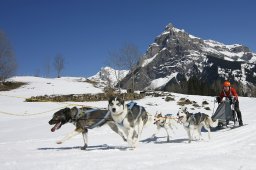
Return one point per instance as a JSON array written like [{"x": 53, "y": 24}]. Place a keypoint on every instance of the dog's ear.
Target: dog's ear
[
  {"x": 111, "y": 98},
  {"x": 74, "y": 109},
  {"x": 184, "y": 108},
  {"x": 122, "y": 101},
  {"x": 66, "y": 109}
]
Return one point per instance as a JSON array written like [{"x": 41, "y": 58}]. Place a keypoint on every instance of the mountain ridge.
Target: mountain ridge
[{"x": 176, "y": 56}]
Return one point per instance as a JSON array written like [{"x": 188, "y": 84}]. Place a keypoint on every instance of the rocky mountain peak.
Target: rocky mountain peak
[
  {"x": 176, "y": 56},
  {"x": 169, "y": 27},
  {"x": 108, "y": 76}
]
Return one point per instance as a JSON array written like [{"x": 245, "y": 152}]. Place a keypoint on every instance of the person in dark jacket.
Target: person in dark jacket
[{"x": 231, "y": 93}]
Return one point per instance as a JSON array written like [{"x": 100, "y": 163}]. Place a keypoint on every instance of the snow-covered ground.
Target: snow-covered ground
[{"x": 26, "y": 141}]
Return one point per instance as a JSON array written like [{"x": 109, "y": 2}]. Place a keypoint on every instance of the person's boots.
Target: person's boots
[
  {"x": 227, "y": 123},
  {"x": 239, "y": 116},
  {"x": 241, "y": 123}
]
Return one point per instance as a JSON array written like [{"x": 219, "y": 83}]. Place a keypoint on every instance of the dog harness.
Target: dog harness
[
  {"x": 161, "y": 124},
  {"x": 121, "y": 123},
  {"x": 87, "y": 114},
  {"x": 130, "y": 105},
  {"x": 82, "y": 113},
  {"x": 100, "y": 122}
]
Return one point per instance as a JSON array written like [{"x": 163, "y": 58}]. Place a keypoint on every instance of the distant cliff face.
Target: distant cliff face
[{"x": 176, "y": 56}]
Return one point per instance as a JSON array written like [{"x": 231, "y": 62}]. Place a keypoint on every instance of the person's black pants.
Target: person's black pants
[{"x": 239, "y": 115}]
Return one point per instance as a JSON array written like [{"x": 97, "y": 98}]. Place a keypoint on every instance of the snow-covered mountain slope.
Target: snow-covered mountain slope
[
  {"x": 108, "y": 76},
  {"x": 176, "y": 56},
  {"x": 52, "y": 86},
  {"x": 235, "y": 52},
  {"x": 27, "y": 143}
]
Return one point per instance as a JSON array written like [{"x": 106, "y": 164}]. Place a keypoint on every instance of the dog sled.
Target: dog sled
[{"x": 226, "y": 113}]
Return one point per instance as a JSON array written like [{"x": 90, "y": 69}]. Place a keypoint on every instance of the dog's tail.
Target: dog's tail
[{"x": 212, "y": 123}]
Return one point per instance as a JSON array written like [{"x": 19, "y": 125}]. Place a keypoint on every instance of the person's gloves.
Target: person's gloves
[
  {"x": 236, "y": 98},
  {"x": 233, "y": 99},
  {"x": 218, "y": 99}
]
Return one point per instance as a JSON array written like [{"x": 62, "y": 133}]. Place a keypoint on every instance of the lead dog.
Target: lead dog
[
  {"x": 130, "y": 118},
  {"x": 83, "y": 119},
  {"x": 167, "y": 122},
  {"x": 195, "y": 122}
]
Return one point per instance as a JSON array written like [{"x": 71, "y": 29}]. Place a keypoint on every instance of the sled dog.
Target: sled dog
[
  {"x": 83, "y": 118},
  {"x": 131, "y": 118},
  {"x": 195, "y": 122},
  {"x": 168, "y": 122}
]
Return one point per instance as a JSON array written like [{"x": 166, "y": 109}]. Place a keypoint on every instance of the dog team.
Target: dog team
[{"x": 128, "y": 120}]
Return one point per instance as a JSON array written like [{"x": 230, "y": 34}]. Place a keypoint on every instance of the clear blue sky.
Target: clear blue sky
[{"x": 84, "y": 31}]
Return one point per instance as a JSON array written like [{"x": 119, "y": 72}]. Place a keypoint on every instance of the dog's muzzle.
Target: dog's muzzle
[
  {"x": 156, "y": 121},
  {"x": 113, "y": 109},
  {"x": 56, "y": 126}
]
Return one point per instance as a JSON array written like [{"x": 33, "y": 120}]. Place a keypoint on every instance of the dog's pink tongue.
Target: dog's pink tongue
[{"x": 57, "y": 126}]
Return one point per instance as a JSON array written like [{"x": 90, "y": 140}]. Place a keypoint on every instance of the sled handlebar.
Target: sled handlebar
[{"x": 232, "y": 99}]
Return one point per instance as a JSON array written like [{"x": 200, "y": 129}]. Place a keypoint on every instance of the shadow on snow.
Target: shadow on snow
[
  {"x": 89, "y": 148},
  {"x": 155, "y": 140},
  {"x": 122, "y": 148}
]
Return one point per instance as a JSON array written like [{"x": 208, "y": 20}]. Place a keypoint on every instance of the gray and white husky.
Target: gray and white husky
[
  {"x": 131, "y": 118},
  {"x": 195, "y": 122},
  {"x": 168, "y": 122},
  {"x": 83, "y": 118}
]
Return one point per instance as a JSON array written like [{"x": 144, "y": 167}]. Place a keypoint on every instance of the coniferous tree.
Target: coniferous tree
[{"x": 7, "y": 59}]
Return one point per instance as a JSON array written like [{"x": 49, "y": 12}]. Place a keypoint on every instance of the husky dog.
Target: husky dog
[
  {"x": 131, "y": 118},
  {"x": 167, "y": 122},
  {"x": 83, "y": 118},
  {"x": 192, "y": 122}
]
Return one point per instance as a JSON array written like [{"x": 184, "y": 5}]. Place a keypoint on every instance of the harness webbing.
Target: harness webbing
[
  {"x": 101, "y": 121},
  {"x": 121, "y": 123},
  {"x": 87, "y": 113},
  {"x": 129, "y": 107},
  {"x": 82, "y": 113}
]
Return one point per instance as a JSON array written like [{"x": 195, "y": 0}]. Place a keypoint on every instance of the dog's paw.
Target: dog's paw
[
  {"x": 59, "y": 142},
  {"x": 132, "y": 145},
  {"x": 153, "y": 137},
  {"x": 132, "y": 148},
  {"x": 201, "y": 139},
  {"x": 84, "y": 147}
]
